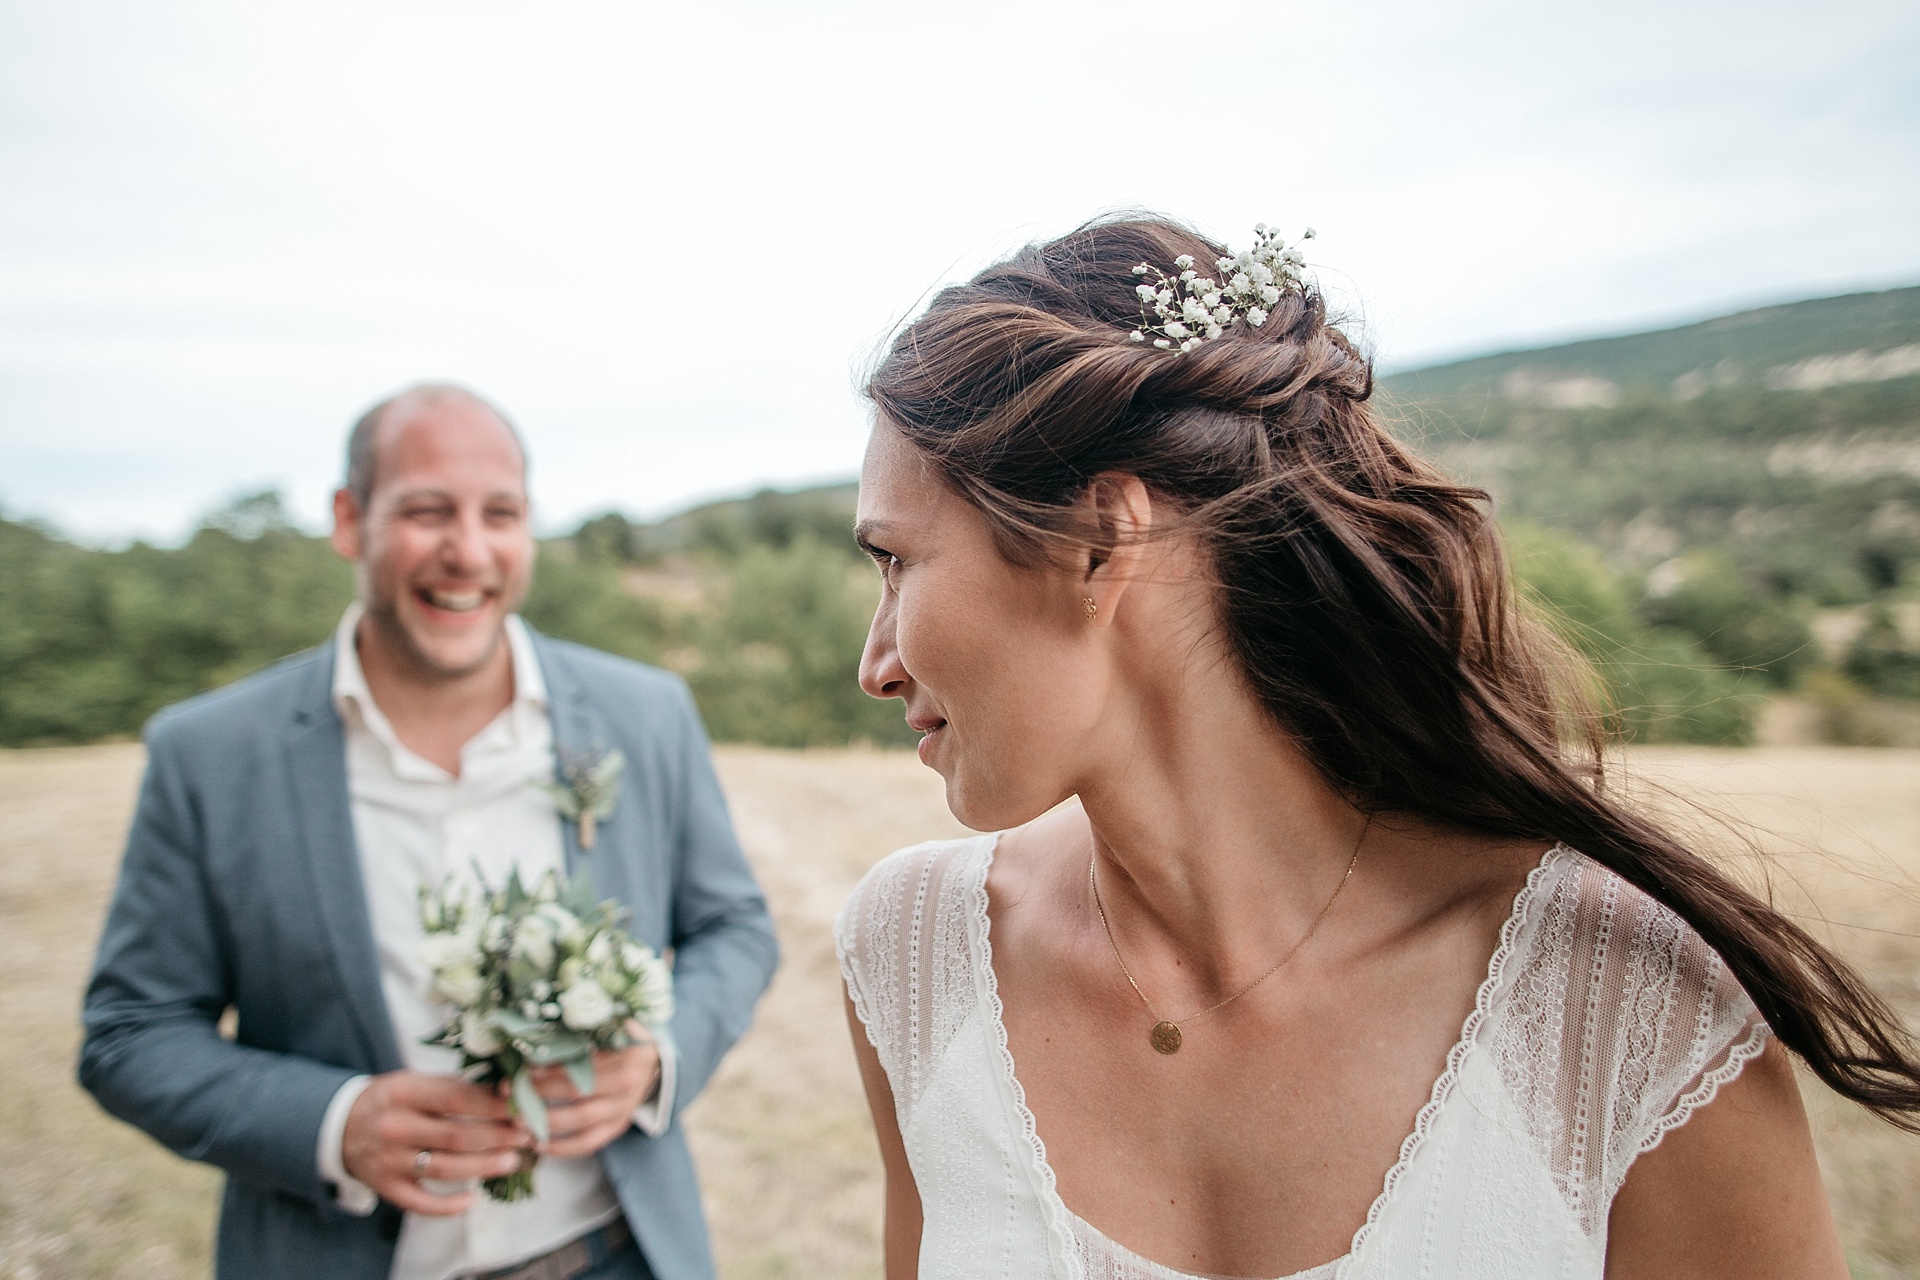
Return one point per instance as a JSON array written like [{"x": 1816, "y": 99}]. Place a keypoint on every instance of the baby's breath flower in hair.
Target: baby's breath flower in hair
[{"x": 1181, "y": 311}]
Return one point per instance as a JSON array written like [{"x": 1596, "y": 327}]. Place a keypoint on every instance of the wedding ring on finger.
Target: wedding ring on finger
[{"x": 420, "y": 1163}]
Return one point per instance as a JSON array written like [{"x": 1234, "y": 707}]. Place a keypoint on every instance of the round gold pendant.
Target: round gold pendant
[{"x": 1165, "y": 1037}]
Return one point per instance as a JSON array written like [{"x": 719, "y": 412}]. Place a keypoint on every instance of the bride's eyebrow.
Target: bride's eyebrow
[{"x": 864, "y": 532}]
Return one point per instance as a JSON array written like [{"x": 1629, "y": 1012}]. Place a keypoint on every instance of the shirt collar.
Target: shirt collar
[{"x": 352, "y": 696}]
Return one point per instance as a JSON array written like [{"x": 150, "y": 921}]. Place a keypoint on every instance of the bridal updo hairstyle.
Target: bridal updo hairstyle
[{"x": 1365, "y": 595}]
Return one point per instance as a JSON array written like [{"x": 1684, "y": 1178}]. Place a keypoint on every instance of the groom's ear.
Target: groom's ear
[{"x": 346, "y": 525}]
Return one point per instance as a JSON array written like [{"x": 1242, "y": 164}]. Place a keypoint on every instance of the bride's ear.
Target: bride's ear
[{"x": 1119, "y": 518}]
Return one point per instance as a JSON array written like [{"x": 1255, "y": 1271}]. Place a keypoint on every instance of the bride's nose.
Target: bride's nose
[{"x": 881, "y": 673}]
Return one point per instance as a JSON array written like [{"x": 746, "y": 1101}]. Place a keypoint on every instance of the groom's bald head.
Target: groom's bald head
[
  {"x": 363, "y": 444},
  {"x": 434, "y": 517}
]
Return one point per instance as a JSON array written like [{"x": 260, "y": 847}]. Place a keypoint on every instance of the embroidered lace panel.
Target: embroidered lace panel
[{"x": 1603, "y": 1023}]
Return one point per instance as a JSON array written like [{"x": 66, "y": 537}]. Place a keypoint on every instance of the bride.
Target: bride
[{"x": 1344, "y": 964}]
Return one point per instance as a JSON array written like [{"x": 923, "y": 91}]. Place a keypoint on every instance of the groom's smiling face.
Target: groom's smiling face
[{"x": 444, "y": 547}]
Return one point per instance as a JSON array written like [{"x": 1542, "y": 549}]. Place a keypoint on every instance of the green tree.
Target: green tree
[
  {"x": 780, "y": 651},
  {"x": 1881, "y": 660},
  {"x": 1741, "y": 624},
  {"x": 1661, "y": 686},
  {"x": 580, "y": 594},
  {"x": 93, "y": 642}
]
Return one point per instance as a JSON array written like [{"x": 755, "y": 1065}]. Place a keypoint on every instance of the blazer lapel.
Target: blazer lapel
[
  {"x": 578, "y": 731},
  {"x": 323, "y": 825}
]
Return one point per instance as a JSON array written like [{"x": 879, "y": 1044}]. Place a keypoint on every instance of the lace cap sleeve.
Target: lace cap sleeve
[
  {"x": 905, "y": 956},
  {"x": 1686, "y": 1028},
  {"x": 1624, "y": 1022}
]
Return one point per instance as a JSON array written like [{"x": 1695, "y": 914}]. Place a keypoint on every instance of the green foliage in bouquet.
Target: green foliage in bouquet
[{"x": 537, "y": 976}]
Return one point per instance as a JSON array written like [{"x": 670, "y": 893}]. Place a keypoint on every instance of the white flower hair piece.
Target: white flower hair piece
[{"x": 1179, "y": 312}]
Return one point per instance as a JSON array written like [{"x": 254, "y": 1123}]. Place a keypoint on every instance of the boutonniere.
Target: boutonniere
[{"x": 588, "y": 789}]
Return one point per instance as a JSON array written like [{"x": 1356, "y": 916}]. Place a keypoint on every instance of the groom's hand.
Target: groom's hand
[
  {"x": 622, "y": 1080},
  {"x": 464, "y": 1129}
]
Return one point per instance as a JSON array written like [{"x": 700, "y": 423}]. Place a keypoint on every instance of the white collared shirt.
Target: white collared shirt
[{"x": 415, "y": 823}]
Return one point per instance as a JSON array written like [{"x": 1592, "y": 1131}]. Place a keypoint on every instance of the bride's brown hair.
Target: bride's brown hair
[{"x": 1365, "y": 595}]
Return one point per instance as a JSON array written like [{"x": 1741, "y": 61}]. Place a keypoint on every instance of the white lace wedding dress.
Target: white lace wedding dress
[{"x": 1603, "y": 1022}]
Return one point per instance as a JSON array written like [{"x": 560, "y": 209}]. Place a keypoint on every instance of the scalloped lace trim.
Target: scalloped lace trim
[
  {"x": 845, "y": 933},
  {"x": 1483, "y": 1001},
  {"x": 1744, "y": 1050},
  {"x": 1060, "y": 1218},
  {"x": 848, "y": 925},
  {"x": 1059, "y": 1224}
]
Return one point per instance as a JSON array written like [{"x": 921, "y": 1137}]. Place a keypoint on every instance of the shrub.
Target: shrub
[{"x": 1660, "y": 685}]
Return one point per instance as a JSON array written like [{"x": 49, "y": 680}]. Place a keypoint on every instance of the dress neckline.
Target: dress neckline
[{"x": 1061, "y": 1219}]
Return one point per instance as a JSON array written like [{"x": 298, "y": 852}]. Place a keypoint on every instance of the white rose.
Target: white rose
[
  {"x": 600, "y": 950},
  {"x": 566, "y": 925},
  {"x": 652, "y": 997},
  {"x": 533, "y": 942},
  {"x": 478, "y": 1038},
  {"x": 460, "y": 984},
  {"x": 586, "y": 1006},
  {"x": 443, "y": 951}
]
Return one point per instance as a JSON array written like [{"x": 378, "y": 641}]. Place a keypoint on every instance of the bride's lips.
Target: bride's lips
[{"x": 929, "y": 728}]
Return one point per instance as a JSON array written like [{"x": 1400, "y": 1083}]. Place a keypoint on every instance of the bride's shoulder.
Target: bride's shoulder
[
  {"x": 899, "y": 884},
  {"x": 896, "y": 934},
  {"x": 1628, "y": 943}
]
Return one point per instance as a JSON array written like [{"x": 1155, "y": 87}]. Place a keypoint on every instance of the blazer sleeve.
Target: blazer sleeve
[
  {"x": 153, "y": 1054},
  {"x": 723, "y": 939}
]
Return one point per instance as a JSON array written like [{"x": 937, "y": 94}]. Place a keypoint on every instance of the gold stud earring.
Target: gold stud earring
[{"x": 1089, "y": 606}]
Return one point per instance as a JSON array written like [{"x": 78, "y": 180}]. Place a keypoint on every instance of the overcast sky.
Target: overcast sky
[{"x": 666, "y": 238}]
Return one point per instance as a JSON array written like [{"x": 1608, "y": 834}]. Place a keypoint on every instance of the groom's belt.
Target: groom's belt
[{"x": 574, "y": 1258}]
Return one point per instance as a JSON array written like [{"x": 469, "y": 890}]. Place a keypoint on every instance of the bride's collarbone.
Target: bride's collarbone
[{"x": 1257, "y": 1148}]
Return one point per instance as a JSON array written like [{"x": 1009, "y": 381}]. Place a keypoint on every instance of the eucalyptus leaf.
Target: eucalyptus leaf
[
  {"x": 517, "y": 1025},
  {"x": 578, "y": 897},
  {"x": 580, "y": 1071},
  {"x": 559, "y": 1048},
  {"x": 563, "y": 800},
  {"x": 532, "y": 1107}
]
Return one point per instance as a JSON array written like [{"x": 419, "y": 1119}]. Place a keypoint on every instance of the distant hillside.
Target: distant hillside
[
  {"x": 1787, "y": 438},
  {"x": 1748, "y": 489},
  {"x": 1732, "y": 348},
  {"x": 770, "y": 517}
]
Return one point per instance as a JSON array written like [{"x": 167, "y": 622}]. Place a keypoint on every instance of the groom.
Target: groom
[{"x": 284, "y": 829}]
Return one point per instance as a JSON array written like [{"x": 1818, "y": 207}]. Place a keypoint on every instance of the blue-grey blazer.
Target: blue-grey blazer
[{"x": 241, "y": 888}]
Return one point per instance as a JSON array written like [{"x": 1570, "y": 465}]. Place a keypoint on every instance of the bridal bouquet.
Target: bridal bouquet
[{"x": 537, "y": 976}]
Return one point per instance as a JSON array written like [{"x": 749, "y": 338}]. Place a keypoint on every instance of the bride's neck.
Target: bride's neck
[{"x": 1215, "y": 835}]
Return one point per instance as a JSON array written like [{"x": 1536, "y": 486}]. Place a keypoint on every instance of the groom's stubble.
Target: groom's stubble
[
  {"x": 418, "y": 664},
  {"x": 441, "y": 521}
]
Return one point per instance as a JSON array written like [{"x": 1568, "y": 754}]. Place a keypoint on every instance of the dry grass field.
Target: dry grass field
[{"x": 782, "y": 1137}]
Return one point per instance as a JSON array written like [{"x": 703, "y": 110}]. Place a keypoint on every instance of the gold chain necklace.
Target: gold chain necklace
[{"x": 1165, "y": 1036}]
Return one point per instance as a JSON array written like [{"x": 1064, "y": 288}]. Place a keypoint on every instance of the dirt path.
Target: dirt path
[{"x": 782, "y": 1137}]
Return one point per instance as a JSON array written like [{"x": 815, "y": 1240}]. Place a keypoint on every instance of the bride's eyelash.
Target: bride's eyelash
[{"x": 883, "y": 560}]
